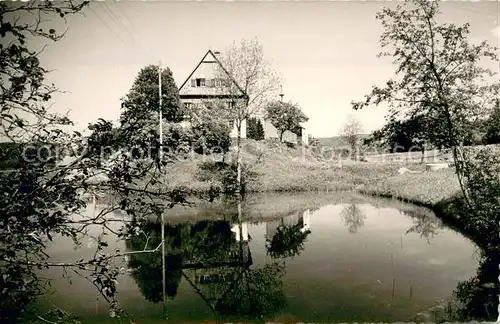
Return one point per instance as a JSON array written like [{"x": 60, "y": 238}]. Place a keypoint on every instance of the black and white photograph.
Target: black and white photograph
[{"x": 249, "y": 161}]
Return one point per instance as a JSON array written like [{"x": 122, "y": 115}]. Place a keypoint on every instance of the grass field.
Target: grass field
[{"x": 279, "y": 168}]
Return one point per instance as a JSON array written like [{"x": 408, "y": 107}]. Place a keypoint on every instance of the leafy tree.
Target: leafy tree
[
  {"x": 492, "y": 135},
  {"x": 142, "y": 101},
  {"x": 479, "y": 295},
  {"x": 441, "y": 79},
  {"x": 139, "y": 118},
  {"x": 41, "y": 201},
  {"x": 9, "y": 155},
  {"x": 255, "y": 130},
  {"x": 401, "y": 135},
  {"x": 439, "y": 76},
  {"x": 352, "y": 134},
  {"x": 251, "y": 84},
  {"x": 285, "y": 116},
  {"x": 177, "y": 140},
  {"x": 211, "y": 136}
]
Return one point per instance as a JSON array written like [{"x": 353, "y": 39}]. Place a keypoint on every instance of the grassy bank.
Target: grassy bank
[
  {"x": 278, "y": 168},
  {"x": 289, "y": 171}
]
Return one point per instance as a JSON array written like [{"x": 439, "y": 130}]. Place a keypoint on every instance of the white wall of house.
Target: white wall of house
[
  {"x": 244, "y": 232},
  {"x": 306, "y": 217},
  {"x": 234, "y": 131},
  {"x": 271, "y": 132},
  {"x": 305, "y": 136}
]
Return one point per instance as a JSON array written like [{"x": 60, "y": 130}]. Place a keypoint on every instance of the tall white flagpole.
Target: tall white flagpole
[{"x": 162, "y": 219}]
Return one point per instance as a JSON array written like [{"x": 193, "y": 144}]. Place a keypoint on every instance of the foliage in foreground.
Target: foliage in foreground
[
  {"x": 440, "y": 79},
  {"x": 41, "y": 200},
  {"x": 492, "y": 135}
]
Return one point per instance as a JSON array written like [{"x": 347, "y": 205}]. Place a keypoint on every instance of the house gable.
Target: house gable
[{"x": 204, "y": 81}]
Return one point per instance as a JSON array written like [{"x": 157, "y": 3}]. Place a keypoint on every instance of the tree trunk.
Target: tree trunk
[
  {"x": 240, "y": 217},
  {"x": 281, "y": 135},
  {"x": 238, "y": 156},
  {"x": 456, "y": 147}
]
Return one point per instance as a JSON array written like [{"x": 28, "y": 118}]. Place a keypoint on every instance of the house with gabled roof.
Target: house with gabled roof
[{"x": 205, "y": 83}]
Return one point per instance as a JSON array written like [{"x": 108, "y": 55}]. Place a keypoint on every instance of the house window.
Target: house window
[
  {"x": 210, "y": 83},
  {"x": 193, "y": 82},
  {"x": 200, "y": 82}
]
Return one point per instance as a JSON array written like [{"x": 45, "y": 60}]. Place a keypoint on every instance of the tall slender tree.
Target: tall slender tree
[
  {"x": 351, "y": 132},
  {"x": 250, "y": 81},
  {"x": 438, "y": 76}
]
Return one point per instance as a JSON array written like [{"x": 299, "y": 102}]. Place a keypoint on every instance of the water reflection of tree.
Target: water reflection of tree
[
  {"x": 258, "y": 291},
  {"x": 147, "y": 267},
  {"x": 426, "y": 226},
  {"x": 205, "y": 241},
  {"x": 287, "y": 242},
  {"x": 255, "y": 292},
  {"x": 353, "y": 217},
  {"x": 207, "y": 249}
]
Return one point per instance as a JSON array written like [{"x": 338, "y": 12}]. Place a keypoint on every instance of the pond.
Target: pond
[{"x": 285, "y": 258}]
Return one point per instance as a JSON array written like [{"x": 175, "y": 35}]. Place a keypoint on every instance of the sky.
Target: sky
[{"x": 325, "y": 50}]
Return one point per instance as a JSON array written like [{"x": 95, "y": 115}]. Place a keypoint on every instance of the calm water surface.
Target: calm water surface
[{"x": 289, "y": 259}]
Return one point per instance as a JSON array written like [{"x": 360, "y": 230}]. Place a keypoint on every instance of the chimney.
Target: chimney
[{"x": 216, "y": 53}]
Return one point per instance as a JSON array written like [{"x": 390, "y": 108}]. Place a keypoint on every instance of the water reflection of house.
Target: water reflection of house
[
  {"x": 238, "y": 254},
  {"x": 302, "y": 218}
]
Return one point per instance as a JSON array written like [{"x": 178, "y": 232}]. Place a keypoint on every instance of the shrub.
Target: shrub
[
  {"x": 9, "y": 155},
  {"x": 492, "y": 135},
  {"x": 313, "y": 142},
  {"x": 211, "y": 137},
  {"x": 483, "y": 184},
  {"x": 177, "y": 138},
  {"x": 225, "y": 175},
  {"x": 255, "y": 130}
]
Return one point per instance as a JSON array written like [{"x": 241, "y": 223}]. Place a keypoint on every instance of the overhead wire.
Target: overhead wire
[
  {"x": 104, "y": 23},
  {"x": 125, "y": 16},
  {"x": 116, "y": 19}
]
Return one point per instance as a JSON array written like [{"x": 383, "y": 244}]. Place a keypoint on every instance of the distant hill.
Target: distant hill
[{"x": 336, "y": 141}]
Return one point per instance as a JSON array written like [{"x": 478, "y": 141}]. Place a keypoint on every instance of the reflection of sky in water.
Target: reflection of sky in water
[{"x": 352, "y": 258}]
